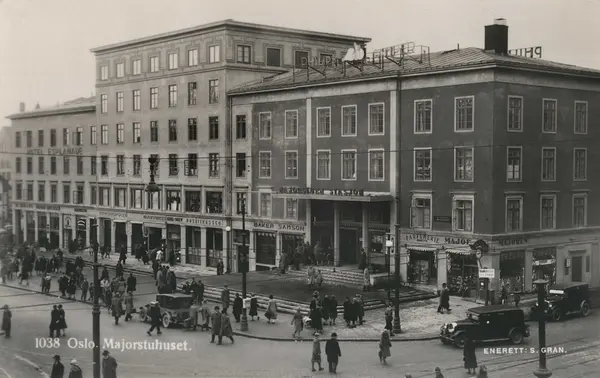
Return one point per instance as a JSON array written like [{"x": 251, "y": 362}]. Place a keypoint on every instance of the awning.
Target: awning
[
  {"x": 420, "y": 248},
  {"x": 465, "y": 252}
]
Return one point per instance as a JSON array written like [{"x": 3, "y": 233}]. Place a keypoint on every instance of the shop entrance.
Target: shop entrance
[
  {"x": 577, "y": 269},
  {"x": 348, "y": 246},
  {"x": 421, "y": 268}
]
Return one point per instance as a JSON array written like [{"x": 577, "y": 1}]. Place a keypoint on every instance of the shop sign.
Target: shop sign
[
  {"x": 323, "y": 192},
  {"x": 442, "y": 218},
  {"x": 205, "y": 222},
  {"x": 517, "y": 240},
  {"x": 24, "y": 205},
  {"x": 76, "y": 151},
  {"x": 487, "y": 273},
  {"x": 432, "y": 239},
  {"x": 279, "y": 226},
  {"x": 80, "y": 210},
  {"x": 162, "y": 218},
  {"x": 112, "y": 214},
  {"x": 48, "y": 207}
]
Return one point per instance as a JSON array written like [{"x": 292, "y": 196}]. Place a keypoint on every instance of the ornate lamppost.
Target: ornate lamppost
[{"x": 542, "y": 371}]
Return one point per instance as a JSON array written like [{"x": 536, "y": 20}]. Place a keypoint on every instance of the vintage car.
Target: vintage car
[
  {"x": 174, "y": 308},
  {"x": 564, "y": 299},
  {"x": 487, "y": 324}
]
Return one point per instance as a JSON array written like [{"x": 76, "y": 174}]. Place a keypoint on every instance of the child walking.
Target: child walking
[{"x": 316, "y": 353}]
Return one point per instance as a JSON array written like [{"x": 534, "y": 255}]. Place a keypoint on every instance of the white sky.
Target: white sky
[{"x": 44, "y": 44}]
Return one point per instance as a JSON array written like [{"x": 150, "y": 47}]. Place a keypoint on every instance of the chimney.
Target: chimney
[
  {"x": 21, "y": 107},
  {"x": 496, "y": 37}
]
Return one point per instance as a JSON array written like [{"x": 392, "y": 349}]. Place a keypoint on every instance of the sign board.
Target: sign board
[
  {"x": 442, "y": 218},
  {"x": 487, "y": 273},
  {"x": 128, "y": 228},
  {"x": 527, "y": 52},
  {"x": 323, "y": 192},
  {"x": 66, "y": 221},
  {"x": 164, "y": 233},
  {"x": 246, "y": 302}
]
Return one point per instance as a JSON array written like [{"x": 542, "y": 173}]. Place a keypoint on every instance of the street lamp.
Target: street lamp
[
  {"x": 542, "y": 371},
  {"x": 244, "y": 267},
  {"x": 228, "y": 256},
  {"x": 389, "y": 244},
  {"x": 397, "y": 325},
  {"x": 96, "y": 314},
  {"x": 152, "y": 187}
]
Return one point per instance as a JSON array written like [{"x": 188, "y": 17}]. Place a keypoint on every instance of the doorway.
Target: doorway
[
  {"x": 577, "y": 266},
  {"x": 348, "y": 246}
]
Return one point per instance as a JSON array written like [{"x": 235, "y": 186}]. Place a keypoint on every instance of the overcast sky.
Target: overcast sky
[{"x": 44, "y": 44}]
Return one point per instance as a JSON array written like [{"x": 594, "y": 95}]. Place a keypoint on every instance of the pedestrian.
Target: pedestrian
[
  {"x": 389, "y": 318},
  {"x": 253, "y": 308},
  {"x": 316, "y": 353},
  {"x": 226, "y": 329},
  {"x": 215, "y": 321},
  {"x": 316, "y": 320},
  {"x": 444, "y": 299},
  {"x": 6, "y": 321},
  {"x": 384, "y": 346},
  {"x": 200, "y": 292},
  {"x": 297, "y": 322},
  {"x": 109, "y": 365},
  {"x": 366, "y": 279},
  {"x": 482, "y": 372},
  {"x": 155, "y": 318},
  {"x": 311, "y": 276},
  {"x": 131, "y": 283},
  {"x": 517, "y": 298},
  {"x": 503, "y": 294},
  {"x": 58, "y": 369},
  {"x": 161, "y": 281},
  {"x": 325, "y": 309},
  {"x": 238, "y": 305},
  {"x": 225, "y": 297},
  {"x": 333, "y": 310},
  {"x": 333, "y": 352},
  {"x": 123, "y": 254},
  {"x": 128, "y": 306},
  {"x": 348, "y": 311},
  {"x": 71, "y": 287},
  {"x": 438, "y": 373},
  {"x": 319, "y": 279},
  {"x": 205, "y": 313},
  {"x": 271, "y": 313},
  {"x": 54, "y": 322},
  {"x": 469, "y": 357},
  {"x": 117, "y": 307},
  {"x": 75, "y": 371},
  {"x": 85, "y": 285},
  {"x": 359, "y": 308},
  {"x": 62, "y": 323}
]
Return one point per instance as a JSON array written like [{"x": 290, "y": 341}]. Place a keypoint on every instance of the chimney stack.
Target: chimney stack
[
  {"x": 22, "y": 107},
  {"x": 496, "y": 37}
]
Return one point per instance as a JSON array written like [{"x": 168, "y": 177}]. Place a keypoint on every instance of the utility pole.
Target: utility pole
[
  {"x": 244, "y": 266},
  {"x": 96, "y": 315}
]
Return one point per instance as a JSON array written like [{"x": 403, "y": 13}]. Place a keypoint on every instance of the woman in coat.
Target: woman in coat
[
  {"x": 348, "y": 309},
  {"x": 271, "y": 313},
  {"x": 128, "y": 306},
  {"x": 238, "y": 306},
  {"x": 6, "y": 321},
  {"x": 333, "y": 310},
  {"x": 316, "y": 320},
  {"x": 326, "y": 309},
  {"x": 62, "y": 320},
  {"x": 469, "y": 356},
  {"x": 253, "y": 307},
  {"x": 117, "y": 307},
  {"x": 366, "y": 279},
  {"x": 297, "y": 323},
  {"x": 226, "y": 329},
  {"x": 384, "y": 346}
]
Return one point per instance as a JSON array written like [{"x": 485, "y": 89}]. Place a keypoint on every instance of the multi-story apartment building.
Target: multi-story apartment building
[
  {"x": 53, "y": 156},
  {"x": 449, "y": 151},
  {"x": 164, "y": 95},
  {"x": 5, "y": 177}
]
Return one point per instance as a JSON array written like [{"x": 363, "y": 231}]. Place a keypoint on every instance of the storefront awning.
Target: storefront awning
[
  {"x": 466, "y": 252},
  {"x": 420, "y": 248},
  {"x": 368, "y": 197}
]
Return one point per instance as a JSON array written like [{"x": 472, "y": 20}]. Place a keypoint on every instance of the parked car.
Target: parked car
[
  {"x": 174, "y": 308},
  {"x": 564, "y": 299},
  {"x": 487, "y": 324}
]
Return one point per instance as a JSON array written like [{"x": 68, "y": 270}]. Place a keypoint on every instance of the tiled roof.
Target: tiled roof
[
  {"x": 78, "y": 103},
  {"x": 438, "y": 62}
]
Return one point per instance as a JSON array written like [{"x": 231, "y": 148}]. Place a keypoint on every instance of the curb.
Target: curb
[{"x": 351, "y": 340}]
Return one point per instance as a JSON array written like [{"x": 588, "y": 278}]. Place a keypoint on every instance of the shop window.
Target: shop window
[
  {"x": 512, "y": 270},
  {"x": 174, "y": 200},
  {"x": 214, "y": 246},
  {"x": 462, "y": 273},
  {"x": 214, "y": 202},
  {"x": 266, "y": 248},
  {"x": 193, "y": 201}
]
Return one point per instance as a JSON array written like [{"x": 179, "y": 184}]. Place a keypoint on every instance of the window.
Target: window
[
  {"x": 349, "y": 120},
  {"x": 136, "y": 66},
  {"x": 104, "y": 165},
  {"x": 376, "y": 165},
  {"x": 273, "y": 57},
  {"x": 120, "y": 133},
  {"x": 291, "y": 164},
  {"x": 579, "y": 210},
  {"x": 153, "y": 98},
  {"x": 173, "y": 165},
  {"x": 514, "y": 163},
  {"x": 79, "y": 194},
  {"x": 514, "y": 214},
  {"x": 349, "y": 164},
  {"x": 463, "y": 164},
  {"x": 154, "y": 131},
  {"x": 192, "y": 57},
  {"x": 423, "y": 164},
  {"x": 423, "y": 116},
  {"x": 192, "y": 129},
  {"x": 291, "y": 208},
  {"x": 137, "y": 165},
  {"x": 264, "y": 126},
  {"x": 192, "y": 92},
  {"x": 376, "y": 119},
  {"x": 103, "y": 72},
  {"x": 464, "y": 113},
  {"x": 240, "y": 126},
  {"x": 41, "y": 165},
  {"x": 172, "y": 130},
  {"x": 157, "y": 168},
  {"x": 515, "y": 113},
  {"x": 93, "y": 166},
  {"x": 30, "y": 192},
  {"x": 172, "y": 96},
  {"x": 291, "y": 124},
  {"x": 154, "y": 64},
  {"x": 191, "y": 168},
  {"x": 104, "y": 199},
  {"x": 120, "y": 165},
  {"x": 29, "y": 165},
  {"x": 300, "y": 59},
  {"x": 421, "y": 211},
  {"x": 120, "y": 101},
  {"x": 193, "y": 201},
  {"x": 19, "y": 191},
  {"x": 79, "y": 163},
  {"x": 18, "y": 139},
  {"x": 240, "y": 202},
  {"x": 213, "y": 165},
  {"x": 213, "y": 91},
  {"x": 549, "y": 116},
  {"x": 214, "y": 202},
  {"x": 137, "y": 99},
  {"x": 30, "y": 138},
  {"x": 240, "y": 165},
  {"x": 173, "y": 61},
  {"x": 53, "y": 165},
  {"x": 53, "y": 137},
  {"x": 104, "y": 134},
  {"x": 136, "y": 201},
  {"x": 264, "y": 159},
  {"x": 93, "y": 136},
  {"x": 579, "y": 164},
  {"x": 103, "y": 104},
  {"x": 244, "y": 54},
  {"x": 53, "y": 193},
  {"x": 214, "y": 54},
  {"x": 137, "y": 132},
  {"x": 66, "y": 165},
  {"x": 66, "y": 193},
  {"x": 79, "y": 136},
  {"x": 213, "y": 128},
  {"x": 120, "y": 197},
  {"x": 548, "y": 212},
  {"x": 40, "y": 138},
  {"x": 323, "y": 122},
  {"x": 265, "y": 205},
  {"x": 581, "y": 117},
  {"x": 323, "y": 165},
  {"x": 174, "y": 200},
  {"x": 548, "y": 164},
  {"x": 462, "y": 219},
  {"x": 120, "y": 70}
]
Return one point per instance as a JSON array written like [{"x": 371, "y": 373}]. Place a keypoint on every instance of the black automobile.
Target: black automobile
[
  {"x": 487, "y": 324},
  {"x": 564, "y": 299}
]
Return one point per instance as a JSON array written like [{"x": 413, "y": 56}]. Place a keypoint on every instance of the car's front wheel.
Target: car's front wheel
[
  {"x": 516, "y": 336},
  {"x": 557, "y": 315},
  {"x": 166, "y": 320},
  {"x": 460, "y": 340},
  {"x": 585, "y": 309}
]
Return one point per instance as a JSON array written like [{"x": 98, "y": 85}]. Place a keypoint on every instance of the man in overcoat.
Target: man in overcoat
[{"x": 109, "y": 365}]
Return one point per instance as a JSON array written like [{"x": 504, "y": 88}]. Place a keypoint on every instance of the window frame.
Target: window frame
[
  {"x": 237, "y": 55},
  {"x": 554, "y": 198},
  {"x": 342, "y": 152},
  {"x": 136, "y": 128},
  {"x": 285, "y": 129},
  {"x": 587, "y": 112},
  {"x": 506, "y": 200},
  {"x": 287, "y": 177},
  {"x": 121, "y": 65},
  {"x": 136, "y": 101},
  {"x": 555, "y": 126},
  {"x": 193, "y": 59},
  {"x": 508, "y": 117},
  {"x": 267, "y": 48},
  {"x": 328, "y": 108},
  {"x": 369, "y": 151},
  {"x": 173, "y": 95},
  {"x": 369, "y": 125},
  {"x": 520, "y": 148},
  {"x": 153, "y": 105},
  {"x": 585, "y": 150},
  {"x": 472, "y": 163},
  {"x": 285, "y": 208},
  {"x": 218, "y": 56},
  {"x": 425, "y": 100},
  {"x": 103, "y": 103},
  {"x": 260, "y": 126},
  {"x": 175, "y": 65},
  {"x": 214, "y": 95},
  {"x": 415, "y": 150},
  {"x": 343, "y": 135},
  {"x": 425, "y": 196},
  {"x": 472, "y": 129},
  {"x": 260, "y": 194},
  {"x": 104, "y": 74},
  {"x": 542, "y": 165},
  {"x": 328, "y": 165},
  {"x": 463, "y": 197},
  {"x": 585, "y": 209},
  {"x": 260, "y": 175},
  {"x": 135, "y": 72},
  {"x": 152, "y": 67}
]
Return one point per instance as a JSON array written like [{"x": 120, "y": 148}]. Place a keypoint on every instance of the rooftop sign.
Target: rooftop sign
[{"x": 527, "y": 52}]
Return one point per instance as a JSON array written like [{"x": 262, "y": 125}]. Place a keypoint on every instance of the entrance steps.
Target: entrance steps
[{"x": 340, "y": 277}]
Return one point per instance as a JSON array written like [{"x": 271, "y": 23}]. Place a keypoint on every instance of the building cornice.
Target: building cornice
[{"x": 53, "y": 112}]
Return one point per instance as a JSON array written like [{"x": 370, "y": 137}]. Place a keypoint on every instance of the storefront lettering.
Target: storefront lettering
[
  {"x": 264, "y": 225},
  {"x": 24, "y": 206},
  {"x": 423, "y": 238},
  {"x": 323, "y": 192},
  {"x": 48, "y": 207},
  {"x": 80, "y": 210},
  {"x": 457, "y": 241},
  {"x": 75, "y": 151},
  {"x": 520, "y": 240},
  {"x": 162, "y": 218},
  {"x": 279, "y": 226},
  {"x": 205, "y": 222},
  {"x": 290, "y": 227},
  {"x": 110, "y": 214}
]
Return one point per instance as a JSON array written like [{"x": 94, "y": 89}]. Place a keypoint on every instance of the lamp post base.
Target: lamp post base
[
  {"x": 397, "y": 326},
  {"x": 542, "y": 373},
  {"x": 244, "y": 324}
]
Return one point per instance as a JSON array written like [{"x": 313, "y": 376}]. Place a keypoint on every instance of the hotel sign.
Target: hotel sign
[
  {"x": 323, "y": 192},
  {"x": 67, "y": 151}
]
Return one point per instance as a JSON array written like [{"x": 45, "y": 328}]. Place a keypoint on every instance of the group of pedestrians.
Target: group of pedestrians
[{"x": 109, "y": 367}]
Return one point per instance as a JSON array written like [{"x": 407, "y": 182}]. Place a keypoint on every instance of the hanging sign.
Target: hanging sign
[{"x": 487, "y": 273}]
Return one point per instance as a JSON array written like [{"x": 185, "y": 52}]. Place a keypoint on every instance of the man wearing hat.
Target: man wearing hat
[
  {"x": 215, "y": 320},
  {"x": 109, "y": 365},
  {"x": 75, "y": 371},
  {"x": 6, "y": 321},
  {"x": 58, "y": 369},
  {"x": 155, "y": 315},
  {"x": 333, "y": 352}
]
